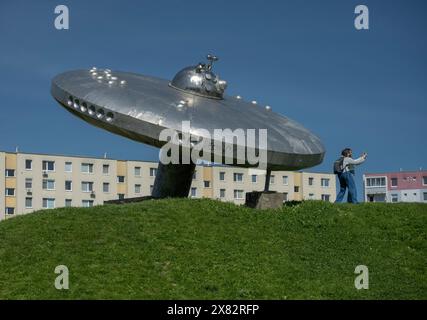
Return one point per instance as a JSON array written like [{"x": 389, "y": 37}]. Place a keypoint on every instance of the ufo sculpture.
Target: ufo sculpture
[{"x": 139, "y": 107}]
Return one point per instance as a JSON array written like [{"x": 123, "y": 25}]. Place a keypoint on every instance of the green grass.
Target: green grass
[{"x": 205, "y": 249}]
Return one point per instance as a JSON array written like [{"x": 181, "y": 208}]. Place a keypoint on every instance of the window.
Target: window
[
  {"x": 272, "y": 179},
  {"x": 10, "y": 210},
  {"x": 238, "y": 194},
  {"x": 28, "y": 164},
  {"x": 10, "y": 173},
  {"x": 324, "y": 182},
  {"x": 194, "y": 175},
  {"x": 87, "y": 203},
  {"x": 238, "y": 177},
  {"x": 222, "y": 193},
  {"x": 68, "y": 167},
  {"x": 68, "y": 202},
  {"x": 48, "y": 184},
  {"x": 121, "y": 196},
  {"x": 285, "y": 180},
  {"x": 394, "y": 198},
  {"x": 326, "y": 197},
  {"x": 28, "y": 203},
  {"x": 48, "y": 203},
  {"x": 120, "y": 179},
  {"x": 137, "y": 171},
  {"x": 311, "y": 196},
  {"x": 254, "y": 178},
  {"x": 87, "y": 186},
  {"x": 10, "y": 192},
  {"x": 68, "y": 185},
  {"x": 375, "y": 182},
  {"x": 394, "y": 182},
  {"x": 425, "y": 180},
  {"x": 222, "y": 176},
  {"x": 153, "y": 172},
  {"x": 137, "y": 188},
  {"x": 310, "y": 181},
  {"x": 207, "y": 184},
  {"x": 87, "y": 168},
  {"x": 28, "y": 183},
  {"x": 425, "y": 196},
  {"x": 296, "y": 189},
  {"x": 48, "y": 165},
  {"x": 285, "y": 196},
  {"x": 106, "y": 187},
  {"x": 193, "y": 192},
  {"x": 151, "y": 189},
  {"x": 105, "y": 169}
]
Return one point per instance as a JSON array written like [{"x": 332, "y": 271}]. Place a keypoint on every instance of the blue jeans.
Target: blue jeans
[{"x": 347, "y": 182}]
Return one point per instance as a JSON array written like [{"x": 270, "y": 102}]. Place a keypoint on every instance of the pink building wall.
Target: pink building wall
[{"x": 405, "y": 180}]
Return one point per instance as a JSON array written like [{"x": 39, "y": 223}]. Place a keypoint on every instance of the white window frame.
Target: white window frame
[
  {"x": 195, "y": 192},
  {"x": 311, "y": 181},
  {"x": 221, "y": 191},
  {"x": 7, "y": 171},
  {"x": 153, "y": 172},
  {"x": 237, "y": 174},
  {"x": 89, "y": 202},
  {"x": 285, "y": 180},
  {"x": 88, "y": 183},
  {"x": 70, "y": 164},
  {"x": 256, "y": 178},
  {"x": 6, "y": 192},
  {"x": 105, "y": 165},
  {"x": 323, "y": 197},
  {"x": 47, "y": 184},
  {"x": 222, "y": 176},
  {"x": 28, "y": 180},
  {"x": 140, "y": 188},
  {"x": 272, "y": 179},
  {"x": 31, "y": 164},
  {"x": 118, "y": 179},
  {"x": 48, "y": 200},
  {"x": 208, "y": 184},
  {"x": 325, "y": 182},
  {"x": 7, "y": 210},
  {"x": 103, "y": 187},
  {"x": 424, "y": 180},
  {"x": 71, "y": 184},
  {"x": 31, "y": 199},
  {"x": 90, "y": 167},
  {"x": 139, "y": 170},
  {"x": 70, "y": 201},
  {"x": 236, "y": 193},
  {"x": 47, "y": 162}
]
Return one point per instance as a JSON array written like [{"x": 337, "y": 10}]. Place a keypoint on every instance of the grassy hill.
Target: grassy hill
[{"x": 205, "y": 249}]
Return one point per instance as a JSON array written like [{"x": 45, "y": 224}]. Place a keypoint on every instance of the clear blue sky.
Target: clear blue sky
[{"x": 363, "y": 89}]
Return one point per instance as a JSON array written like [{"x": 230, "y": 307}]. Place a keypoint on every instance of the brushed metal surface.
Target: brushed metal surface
[{"x": 139, "y": 107}]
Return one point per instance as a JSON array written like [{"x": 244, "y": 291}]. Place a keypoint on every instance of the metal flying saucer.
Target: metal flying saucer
[{"x": 139, "y": 107}]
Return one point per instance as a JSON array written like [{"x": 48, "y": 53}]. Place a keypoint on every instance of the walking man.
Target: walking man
[{"x": 344, "y": 168}]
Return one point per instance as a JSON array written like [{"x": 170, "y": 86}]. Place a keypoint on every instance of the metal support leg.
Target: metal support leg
[
  {"x": 267, "y": 180},
  {"x": 173, "y": 180}
]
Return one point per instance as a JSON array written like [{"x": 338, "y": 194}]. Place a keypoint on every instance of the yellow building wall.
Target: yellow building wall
[
  {"x": 298, "y": 183},
  {"x": 208, "y": 176},
  {"x": 122, "y": 171}
]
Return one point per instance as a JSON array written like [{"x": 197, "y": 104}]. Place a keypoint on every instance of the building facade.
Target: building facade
[
  {"x": 38, "y": 181},
  {"x": 408, "y": 186}
]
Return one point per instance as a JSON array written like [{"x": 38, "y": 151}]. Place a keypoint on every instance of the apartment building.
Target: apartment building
[
  {"x": 410, "y": 186},
  {"x": 39, "y": 181}
]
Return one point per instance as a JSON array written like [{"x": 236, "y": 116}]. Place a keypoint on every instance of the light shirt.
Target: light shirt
[{"x": 349, "y": 163}]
